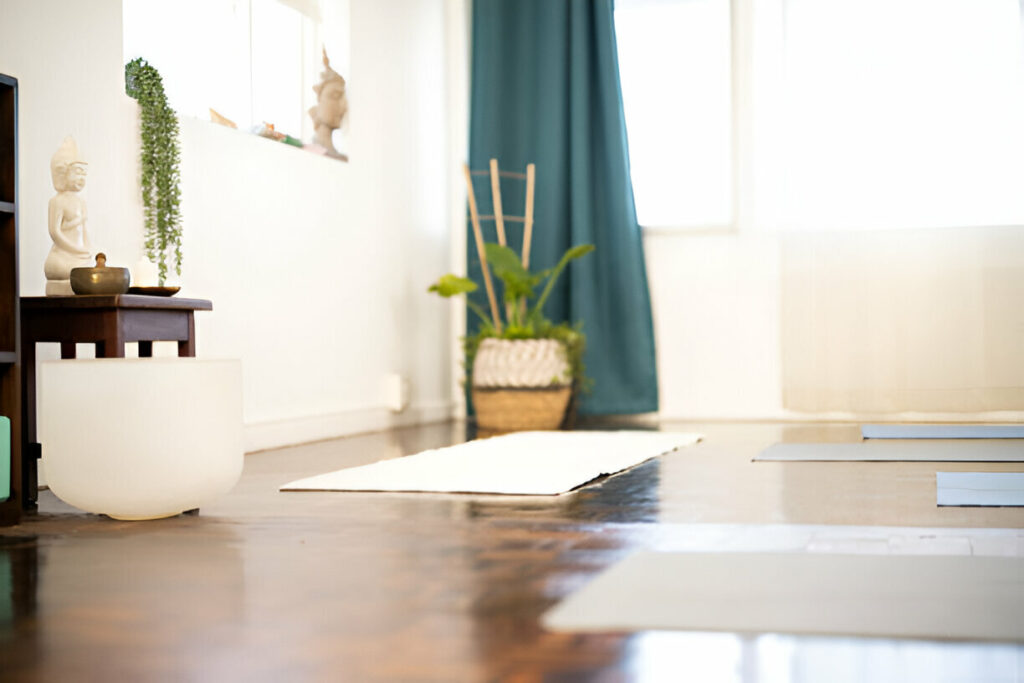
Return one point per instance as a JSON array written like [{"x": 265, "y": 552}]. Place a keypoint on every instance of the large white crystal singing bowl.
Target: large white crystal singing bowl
[{"x": 140, "y": 438}]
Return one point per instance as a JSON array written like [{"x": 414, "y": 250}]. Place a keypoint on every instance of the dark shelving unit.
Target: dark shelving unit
[{"x": 10, "y": 313}]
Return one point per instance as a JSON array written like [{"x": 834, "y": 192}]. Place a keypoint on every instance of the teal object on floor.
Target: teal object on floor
[
  {"x": 545, "y": 90},
  {"x": 5, "y": 458}
]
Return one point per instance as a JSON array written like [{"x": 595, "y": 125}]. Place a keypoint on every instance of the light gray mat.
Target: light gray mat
[
  {"x": 912, "y": 596},
  {"x": 943, "y": 431},
  {"x": 997, "y": 450},
  {"x": 986, "y": 489}
]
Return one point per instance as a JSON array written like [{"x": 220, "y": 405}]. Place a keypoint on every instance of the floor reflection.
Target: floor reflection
[
  {"x": 19, "y": 578},
  {"x": 594, "y": 502},
  {"x": 148, "y": 587},
  {"x": 726, "y": 658},
  {"x": 19, "y": 593}
]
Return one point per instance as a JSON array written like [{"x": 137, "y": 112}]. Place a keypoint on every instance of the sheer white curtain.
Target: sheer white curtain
[
  {"x": 880, "y": 144},
  {"x": 904, "y": 321},
  {"x": 921, "y": 126}
]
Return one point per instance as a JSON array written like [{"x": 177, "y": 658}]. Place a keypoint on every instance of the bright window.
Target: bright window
[
  {"x": 676, "y": 72},
  {"x": 252, "y": 61},
  {"x": 854, "y": 113},
  {"x": 209, "y": 68}
]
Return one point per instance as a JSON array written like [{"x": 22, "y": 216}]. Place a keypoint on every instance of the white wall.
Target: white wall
[
  {"x": 317, "y": 269},
  {"x": 65, "y": 58},
  {"x": 715, "y": 300}
]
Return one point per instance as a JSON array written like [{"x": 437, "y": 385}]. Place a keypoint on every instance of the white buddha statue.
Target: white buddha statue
[
  {"x": 330, "y": 109},
  {"x": 67, "y": 216}
]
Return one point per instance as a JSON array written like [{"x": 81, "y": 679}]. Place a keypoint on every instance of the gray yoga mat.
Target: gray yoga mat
[
  {"x": 981, "y": 489},
  {"x": 998, "y": 450},
  {"x": 911, "y": 596},
  {"x": 941, "y": 431}
]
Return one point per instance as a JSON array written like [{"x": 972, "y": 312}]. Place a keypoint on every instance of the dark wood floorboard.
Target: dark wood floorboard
[{"x": 264, "y": 585}]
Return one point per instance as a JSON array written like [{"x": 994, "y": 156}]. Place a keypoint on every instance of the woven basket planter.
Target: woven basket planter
[{"x": 520, "y": 384}]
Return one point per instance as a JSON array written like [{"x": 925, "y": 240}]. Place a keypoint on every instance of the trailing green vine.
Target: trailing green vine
[{"x": 159, "y": 160}]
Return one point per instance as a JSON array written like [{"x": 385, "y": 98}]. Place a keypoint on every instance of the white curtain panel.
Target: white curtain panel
[{"x": 903, "y": 321}]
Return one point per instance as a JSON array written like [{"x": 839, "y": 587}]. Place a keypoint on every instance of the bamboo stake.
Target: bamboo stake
[
  {"x": 528, "y": 225},
  {"x": 528, "y": 217},
  {"x": 506, "y": 217},
  {"x": 503, "y": 174},
  {"x": 499, "y": 219},
  {"x": 478, "y": 235}
]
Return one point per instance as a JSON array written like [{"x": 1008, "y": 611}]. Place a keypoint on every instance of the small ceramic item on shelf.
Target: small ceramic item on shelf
[
  {"x": 67, "y": 218},
  {"x": 217, "y": 117},
  {"x": 154, "y": 291},
  {"x": 102, "y": 279},
  {"x": 266, "y": 130},
  {"x": 145, "y": 275}
]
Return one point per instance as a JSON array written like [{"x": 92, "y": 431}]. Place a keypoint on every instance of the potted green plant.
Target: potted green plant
[
  {"x": 523, "y": 369},
  {"x": 158, "y": 161}
]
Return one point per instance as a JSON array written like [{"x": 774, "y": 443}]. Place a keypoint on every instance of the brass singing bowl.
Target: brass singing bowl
[{"x": 100, "y": 279}]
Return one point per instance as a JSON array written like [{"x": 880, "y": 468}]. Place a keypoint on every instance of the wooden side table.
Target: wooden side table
[{"x": 109, "y": 322}]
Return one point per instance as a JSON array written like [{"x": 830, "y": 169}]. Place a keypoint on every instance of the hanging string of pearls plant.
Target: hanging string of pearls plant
[{"x": 159, "y": 166}]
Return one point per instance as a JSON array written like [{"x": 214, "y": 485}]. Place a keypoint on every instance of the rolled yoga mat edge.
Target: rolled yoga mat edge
[
  {"x": 979, "y": 489},
  {"x": 942, "y": 431}
]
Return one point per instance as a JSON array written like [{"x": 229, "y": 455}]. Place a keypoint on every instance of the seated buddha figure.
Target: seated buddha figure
[{"x": 66, "y": 220}]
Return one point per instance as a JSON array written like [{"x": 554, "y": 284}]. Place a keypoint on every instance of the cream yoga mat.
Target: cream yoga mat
[
  {"x": 941, "y": 431},
  {"x": 984, "y": 489},
  {"x": 908, "y": 596},
  {"x": 525, "y": 463},
  {"x": 998, "y": 450}
]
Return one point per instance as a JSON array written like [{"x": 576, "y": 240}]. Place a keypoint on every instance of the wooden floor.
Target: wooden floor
[{"x": 264, "y": 585}]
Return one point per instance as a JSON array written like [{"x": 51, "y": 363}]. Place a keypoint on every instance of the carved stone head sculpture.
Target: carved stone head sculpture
[
  {"x": 68, "y": 168},
  {"x": 330, "y": 109}
]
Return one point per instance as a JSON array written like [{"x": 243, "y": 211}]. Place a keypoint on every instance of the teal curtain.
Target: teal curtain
[{"x": 545, "y": 89}]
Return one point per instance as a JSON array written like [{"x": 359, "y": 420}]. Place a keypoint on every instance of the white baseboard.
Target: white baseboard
[{"x": 261, "y": 436}]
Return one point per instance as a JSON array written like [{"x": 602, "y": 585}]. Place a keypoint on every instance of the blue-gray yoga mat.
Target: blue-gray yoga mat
[
  {"x": 980, "y": 489},
  {"x": 946, "y": 431},
  {"x": 995, "y": 450}
]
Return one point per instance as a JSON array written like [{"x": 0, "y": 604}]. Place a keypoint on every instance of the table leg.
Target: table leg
[
  {"x": 28, "y": 390},
  {"x": 109, "y": 349},
  {"x": 112, "y": 345},
  {"x": 187, "y": 347},
  {"x": 145, "y": 349}
]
